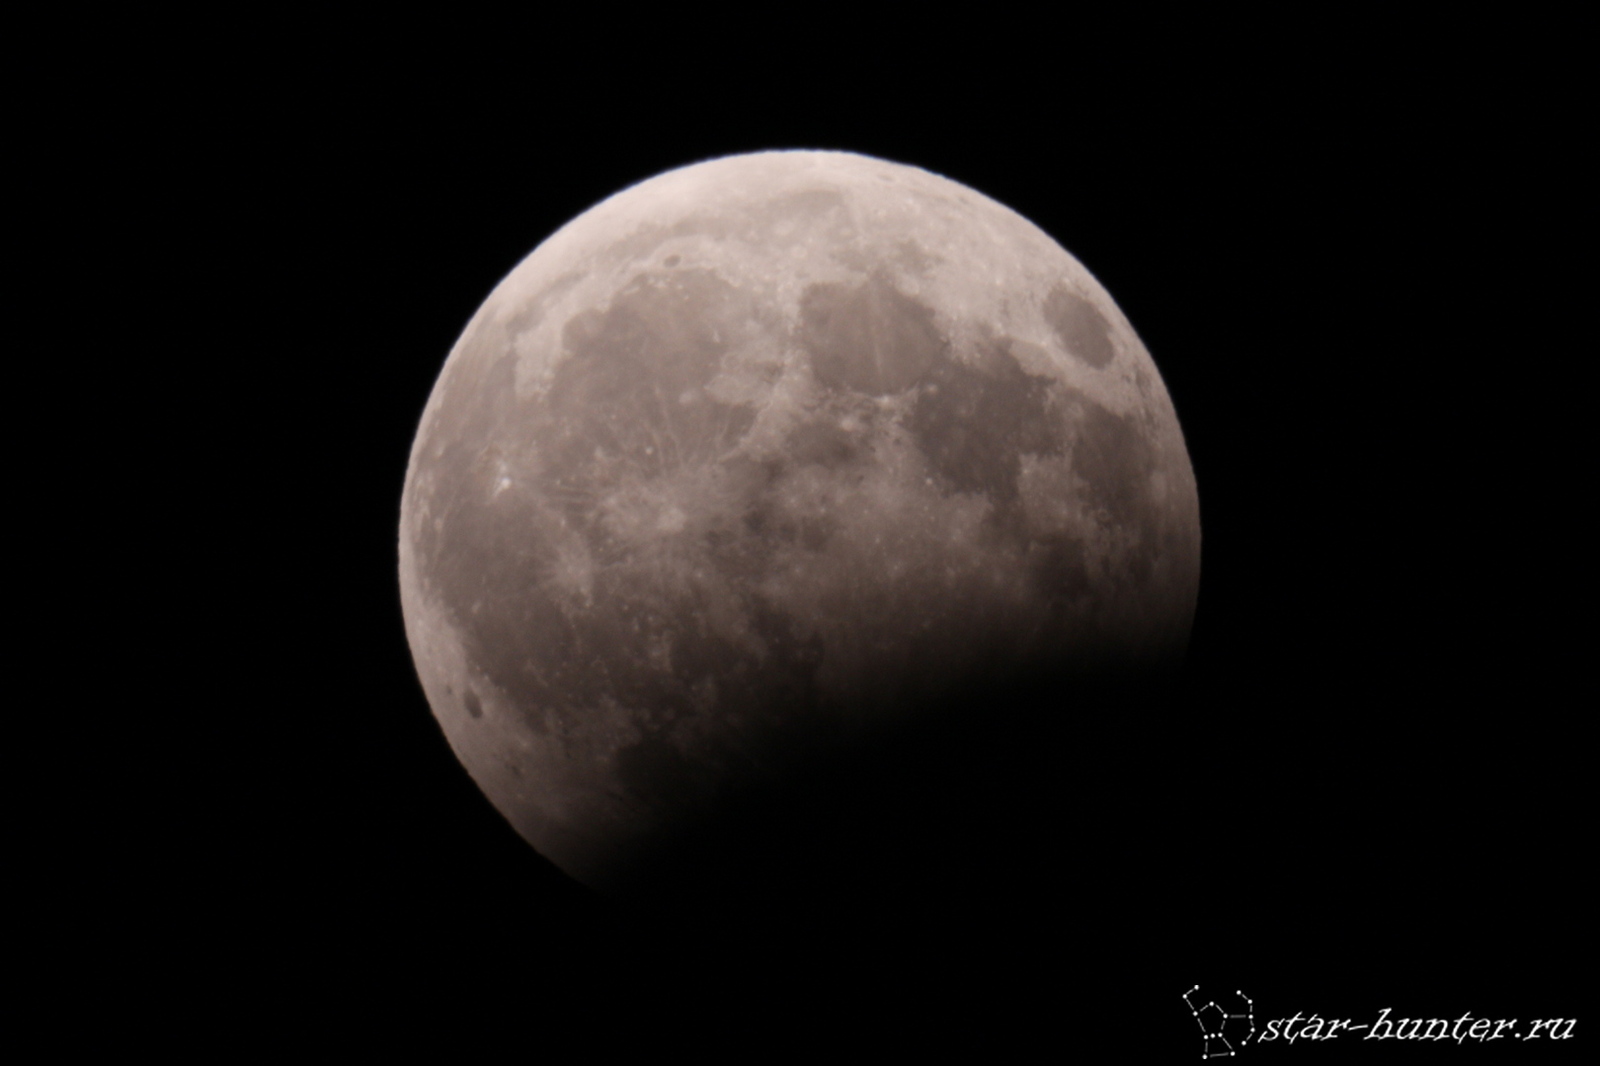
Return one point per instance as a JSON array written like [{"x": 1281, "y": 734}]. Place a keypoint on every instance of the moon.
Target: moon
[{"x": 765, "y": 458}]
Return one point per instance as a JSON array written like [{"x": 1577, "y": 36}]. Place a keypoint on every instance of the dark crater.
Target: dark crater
[{"x": 1082, "y": 330}]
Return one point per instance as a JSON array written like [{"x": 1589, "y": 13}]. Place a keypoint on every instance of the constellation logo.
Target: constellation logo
[
  {"x": 1223, "y": 1028},
  {"x": 1226, "y": 1026}
]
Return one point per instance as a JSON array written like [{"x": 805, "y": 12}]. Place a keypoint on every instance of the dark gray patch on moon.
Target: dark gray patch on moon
[
  {"x": 975, "y": 424},
  {"x": 765, "y": 520},
  {"x": 1114, "y": 461},
  {"x": 1059, "y": 567},
  {"x": 821, "y": 441},
  {"x": 1083, "y": 331},
  {"x": 634, "y": 380},
  {"x": 470, "y": 702},
  {"x": 870, "y": 338}
]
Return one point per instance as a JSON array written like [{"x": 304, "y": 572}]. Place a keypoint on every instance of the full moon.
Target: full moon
[{"x": 767, "y": 458}]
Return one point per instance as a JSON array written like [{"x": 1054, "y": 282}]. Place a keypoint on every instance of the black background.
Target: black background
[{"x": 1351, "y": 257}]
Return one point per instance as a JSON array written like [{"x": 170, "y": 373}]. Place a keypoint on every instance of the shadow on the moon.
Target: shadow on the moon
[
  {"x": 1020, "y": 794},
  {"x": 970, "y": 881}
]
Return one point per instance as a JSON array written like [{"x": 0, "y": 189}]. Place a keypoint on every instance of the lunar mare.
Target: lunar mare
[{"x": 760, "y": 457}]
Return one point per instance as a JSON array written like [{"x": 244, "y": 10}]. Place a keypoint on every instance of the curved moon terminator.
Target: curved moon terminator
[{"x": 764, "y": 457}]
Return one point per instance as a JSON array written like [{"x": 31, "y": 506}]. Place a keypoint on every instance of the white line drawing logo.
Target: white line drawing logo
[{"x": 1223, "y": 1031}]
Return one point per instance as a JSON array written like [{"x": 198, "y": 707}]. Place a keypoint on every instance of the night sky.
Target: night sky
[{"x": 1363, "y": 791}]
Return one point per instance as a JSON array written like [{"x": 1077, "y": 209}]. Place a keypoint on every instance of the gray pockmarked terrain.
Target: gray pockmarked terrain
[{"x": 762, "y": 456}]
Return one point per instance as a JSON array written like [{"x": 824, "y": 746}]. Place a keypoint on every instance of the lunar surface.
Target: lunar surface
[{"x": 762, "y": 458}]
